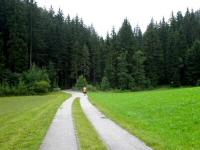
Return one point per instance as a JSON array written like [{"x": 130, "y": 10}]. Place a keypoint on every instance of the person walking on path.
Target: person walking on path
[{"x": 84, "y": 90}]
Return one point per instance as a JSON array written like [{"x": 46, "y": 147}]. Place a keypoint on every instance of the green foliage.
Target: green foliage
[
  {"x": 131, "y": 83},
  {"x": 31, "y": 82},
  {"x": 67, "y": 48},
  {"x": 52, "y": 75},
  {"x": 154, "y": 54},
  {"x": 122, "y": 74},
  {"x": 7, "y": 90},
  {"x": 56, "y": 89},
  {"x": 105, "y": 84},
  {"x": 31, "y": 77},
  {"x": 84, "y": 61},
  {"x": 139, "y": 73},
  {"x": 81, "y": 82},
  {"x": 198, "y": 82},
  {"x": 193, "y": 63},
  {"x": 41, "y": 87},
  {"x": 91, "y": 87}
]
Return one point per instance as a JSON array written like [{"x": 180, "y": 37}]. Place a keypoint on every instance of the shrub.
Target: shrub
[
  {"x": 7, "y": 90},
  {"x": 174, "y": 84},
  {"x": 91, "y": 88},
  {"x": 198, "y": 82},
  {"x": 41, "y": 87},
  {"x": 131, "y": 83},
  {"x": 105, "y": 84},
  {"x": 31, "y": 82},
  {"x": 56, "y": 89},
  {"x": 29, "y": 78},
  {"x": 81, "y": 82},
  {"x": 20, "y": 89}
]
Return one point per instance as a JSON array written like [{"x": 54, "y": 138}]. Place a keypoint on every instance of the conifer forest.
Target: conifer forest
[{"x": 167, "y": 53}]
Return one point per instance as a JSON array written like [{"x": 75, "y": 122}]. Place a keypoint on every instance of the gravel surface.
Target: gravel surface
[
  {"x": 112, "y": 134},
  {"x": 61, "y": 134}
]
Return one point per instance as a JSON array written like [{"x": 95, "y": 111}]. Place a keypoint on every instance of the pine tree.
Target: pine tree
[
  {"x": 84, "y": 61},
  {"x": 75, "y": 60},
  {"x": 154, "y": 55},
  {"x": 18, "y": 50},
  {"x": 139, "y": 74},
  {"x": 81, "y": 82},
  {"x": 193, "y": 63},
  {"x": 2, "y": 60},
  {"x": 105, "y": 85},
  {"x": 164, "y": 41},
  {"x": 126, "y": 41},
  {"x": 122, "y": 72},
  {"x": 53, "y": 77}
]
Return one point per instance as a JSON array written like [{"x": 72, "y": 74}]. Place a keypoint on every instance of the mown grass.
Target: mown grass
[
  {"x": 24, "y": 120},
  {"x": 164, "y": 119},
  {"x": 87, "y": 136}
]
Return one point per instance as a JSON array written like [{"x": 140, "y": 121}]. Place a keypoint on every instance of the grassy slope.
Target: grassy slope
[
  {"x": 87, "y": 135},
  {"x": 164, "y": 119},
  {"x": 25, "y": 120}
]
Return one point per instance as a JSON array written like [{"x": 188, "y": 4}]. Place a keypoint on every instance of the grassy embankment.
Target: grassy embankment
[
  {"x": 87, "y": 136},
  {"x": 24, "y": 120},
  {"x": 164, "y": 119}
]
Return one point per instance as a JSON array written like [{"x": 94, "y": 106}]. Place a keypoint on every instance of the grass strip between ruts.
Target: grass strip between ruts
[{"x": 86, "y": 134}]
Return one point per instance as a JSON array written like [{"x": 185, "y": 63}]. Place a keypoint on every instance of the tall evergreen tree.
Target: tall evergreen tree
[
  {"x": 154, "y": 55},
  {"x": 84, "y": 61},
  {"x": 139, "y": 74},
  {"x": 18, "y": 50},
  {"x": 193, "y": 63},
  {"x": 122, "y": 71}
]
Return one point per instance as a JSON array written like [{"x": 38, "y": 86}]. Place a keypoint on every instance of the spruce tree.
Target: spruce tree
[
  {"x": 105, "y": 85},
  {"x": 122, "y": 72},
  {"x": 193, "y": 63},
  {"x": 139, "y": 73},
  {"x": 84, "y": 61},
  {"x": 154, "y": 55}
]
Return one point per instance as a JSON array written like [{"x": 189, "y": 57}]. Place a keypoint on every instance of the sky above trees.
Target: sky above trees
[{"x": 104, "y": 14}]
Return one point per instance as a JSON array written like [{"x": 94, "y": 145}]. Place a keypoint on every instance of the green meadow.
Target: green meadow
[
  {"x": 24, "y": 120},
  {"x": 166, "y": 119}
]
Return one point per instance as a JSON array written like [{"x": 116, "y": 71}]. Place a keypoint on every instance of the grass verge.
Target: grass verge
[
  {"x": 164, "y": 119},
  {"x": 87, "y": 136},
  {"x": 24, "y": 120}
]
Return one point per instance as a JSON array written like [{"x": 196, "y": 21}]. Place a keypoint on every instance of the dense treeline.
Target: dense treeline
[{"x": 166, "y": 54}]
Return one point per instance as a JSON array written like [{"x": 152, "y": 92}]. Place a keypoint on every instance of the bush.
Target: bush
[
  {"x": 81, "y": 82},
  {"x": 41, "y": 87},
  {"x": 31, "y": 77},
  {"x": 198, "y": 82},
  {"x": 91, "y": 88},
  {"x": 56, "y": 89},
  {"x": 174, "y": 84},
  {"x": 131, "y": 83},
  {"x": 105, "y": 84},
  {"x": 7, "y": 90},
  {"x": 30, "y": 82}
]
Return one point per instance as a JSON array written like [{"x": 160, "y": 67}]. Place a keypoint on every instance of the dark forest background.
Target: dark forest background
[{"x": 167, "y": 53}]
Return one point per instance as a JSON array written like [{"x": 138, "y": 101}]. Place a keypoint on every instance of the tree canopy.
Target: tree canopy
[{"x": 167, "y": 53}]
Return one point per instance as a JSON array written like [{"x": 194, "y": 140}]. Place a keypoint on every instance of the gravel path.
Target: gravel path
[
  {"x": 61, "y": 134},
  {"x": 113, "y": 135}
]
